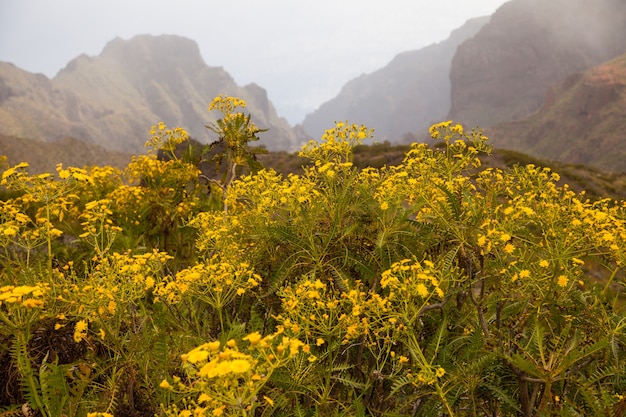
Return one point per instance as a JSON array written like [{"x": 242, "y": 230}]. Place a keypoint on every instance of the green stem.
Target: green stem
[
  {"x": 443, "y": 399},
  {"x": 610, "y": 281},
  {"x": 219, "y": 313}
]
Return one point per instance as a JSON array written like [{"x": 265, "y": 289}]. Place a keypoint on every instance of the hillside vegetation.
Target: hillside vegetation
[
  {"x": 504, "y": 72},
  {"x": 582, "y": 121},
  {"x": 425, "y": 287}
]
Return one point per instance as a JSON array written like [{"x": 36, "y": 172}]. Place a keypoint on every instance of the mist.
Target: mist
[{"x": 302, "y": 53}]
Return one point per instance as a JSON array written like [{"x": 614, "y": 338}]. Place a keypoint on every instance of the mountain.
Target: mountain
[
  {"x": 582, "y": 121},
  {"x": 44, "y": 156},
  {"x": 504, "y": 71},
  {"x": 407, "y": 95},
  {"x": 114, "y": 98}
]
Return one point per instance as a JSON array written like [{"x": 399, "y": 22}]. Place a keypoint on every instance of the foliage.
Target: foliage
[{"x": 423, "y": 288}]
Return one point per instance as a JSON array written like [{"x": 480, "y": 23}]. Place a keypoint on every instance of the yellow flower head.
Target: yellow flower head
[
  {"x": 80, "y": 331},
  {"x": 253, "y": 338}
]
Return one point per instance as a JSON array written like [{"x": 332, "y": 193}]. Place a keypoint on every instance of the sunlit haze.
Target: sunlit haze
[{"x": 301, "y": 52}]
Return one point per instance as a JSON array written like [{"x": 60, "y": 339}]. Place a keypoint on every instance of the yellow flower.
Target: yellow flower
[
  {"x": 543, "y": 263},
  {"x": 219, "y": 410},
  {"x": 149, "y": 283},
  {"x": 524, "y": 273},
  {"x": 562, "y": 281},
  {"x": 10, "y": 231},
  {"x": 319, "y": 342},
  {"x": 80, "y": 331},
  {"x": 440, "y": 372},
  {"x": 213, "y": 346},
  {"x": 239, "y": 366},
  {"x": 422, "y": 291},
  {"x": 197, "y": 355},
  {"x": 384, "y": 205},
  {"x": 165, "y": 385},
  {"x": 508, "y": 248},
  {"x": 31, "y": 303},
  {"x": 253, "y": 338},
  {"x": 111, "y": 307}
]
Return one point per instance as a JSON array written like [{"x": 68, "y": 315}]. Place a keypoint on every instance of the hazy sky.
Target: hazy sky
[{"x": 302, "y": 52}]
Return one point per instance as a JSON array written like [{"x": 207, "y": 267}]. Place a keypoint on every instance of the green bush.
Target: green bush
[{"x": 416, "y": 289}]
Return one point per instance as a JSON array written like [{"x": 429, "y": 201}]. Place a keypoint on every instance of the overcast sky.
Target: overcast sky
[{"x": 302, "y": 52}]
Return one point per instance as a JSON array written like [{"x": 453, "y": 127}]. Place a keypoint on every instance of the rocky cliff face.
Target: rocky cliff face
[
  {"x": 406, "y": 96},
  {"x": 113, "y": 99},
  {"x": 504, "y": 71},
  {"x": 582, "y": 121}
]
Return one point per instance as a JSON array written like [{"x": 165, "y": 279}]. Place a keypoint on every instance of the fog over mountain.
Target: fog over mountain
[
  {"x": 504, "y": 72},
  {"x": 301, "y": 53},
  {"x": 406, "y": 96},
  {"x": 500, "y": 73},
  {"x": 112, "y": 99}
]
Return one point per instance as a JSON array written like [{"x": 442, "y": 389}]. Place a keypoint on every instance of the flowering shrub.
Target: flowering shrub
[{"x": 428, "y": 288}]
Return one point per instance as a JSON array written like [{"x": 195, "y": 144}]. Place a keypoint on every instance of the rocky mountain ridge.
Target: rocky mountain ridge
[
  {"x": 505, "y": 70},
  {"x": 582, "y": 121},
  {"x": 522, "y": 76},
  {"x": 407, "y": 95},
  {"x": 114, "y": 98}
]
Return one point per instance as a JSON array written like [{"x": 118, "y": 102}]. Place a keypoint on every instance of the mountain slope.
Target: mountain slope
[
  {"x": 44, "y": 156},
  {"x": 504, "y": 71},
  {"x": 582, "y": 121},
  {"x": 407, "y": 95},
  {"x": 113, "y": 99}
]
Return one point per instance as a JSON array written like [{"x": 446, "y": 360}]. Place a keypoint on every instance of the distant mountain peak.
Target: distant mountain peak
[
  {"x": 405, "y": 96},
  {"x": 504, "y": 71},
  {"x": 113, "y": 99},
  {"x": 161, "y": 49}
]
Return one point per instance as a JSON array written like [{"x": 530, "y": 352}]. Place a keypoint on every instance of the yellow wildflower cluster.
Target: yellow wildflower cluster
[
  {"x": 28, "y": 296},
  {"x": 13, "y": 173},
  {"x": 408, "y": 278},
  {"x": 427, "y": 280},
  {"x": 12, "y": 221},
  {"x": 217, "y": 282},
  {"x": 224, "y": 379},
  {"x": 114, "y": 283},
  {"x": 226, "y": 105},
  {"x": 99, "y": 230},
  {"x": 319, "y": 313},
  {"x": 336, "y": 144},
  {"x": 271, "y": 196},
  {"x": 162, "y": 138}
]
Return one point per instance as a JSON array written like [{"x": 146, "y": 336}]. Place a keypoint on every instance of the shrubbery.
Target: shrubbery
[{"x": 427, "y": 288}]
